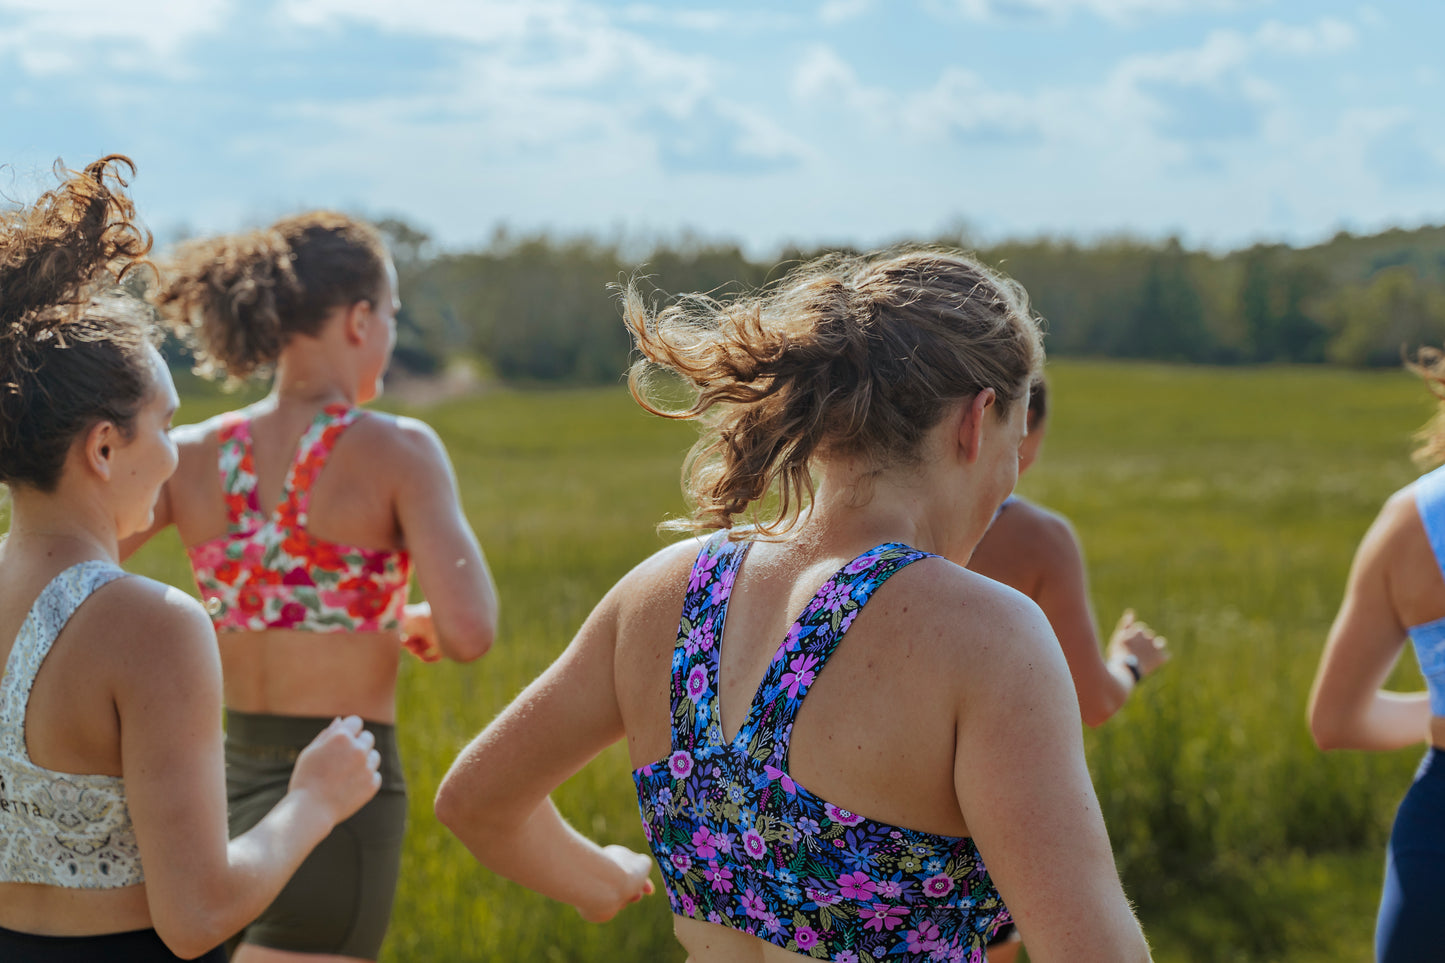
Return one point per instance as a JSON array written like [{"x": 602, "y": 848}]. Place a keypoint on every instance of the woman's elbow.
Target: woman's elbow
[
  {"x": 1329, "y": 730},
  {"x": 193, "y": 933},
  {"x": 470, "y": 640}
]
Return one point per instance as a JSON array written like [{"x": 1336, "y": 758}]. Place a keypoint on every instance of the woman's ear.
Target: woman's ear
[
  {"x": 98, "y": 448},
  {"x": 971, "y": 425},
  {"x": 355, "y": 321}
]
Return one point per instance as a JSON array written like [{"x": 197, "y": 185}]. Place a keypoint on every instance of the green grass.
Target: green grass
[{"x": 1223, "y": 505}]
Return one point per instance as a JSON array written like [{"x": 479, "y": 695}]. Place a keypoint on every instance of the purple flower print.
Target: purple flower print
[
  {"x": 802, "y": 674},
  {"x": 834, "y": 595},
  {"x": 705, "y": 842},
  {"x": 841, "y": 816},
  {"x": 808, "y": 827},
  {"x": 847, "y": 622},
  {"x": 719, "y": 590},
  {"x": 754, "y": 845},
  {"x": 720, "y": 878},
  {"x": 795, "y": 636},
  {"x": 889, "y": 889},
  {"x": 782, "y": 779},
  {"x": 680, "y": 764},
  {"x": 699, "y": 638},
  {"x": 682, "y": 861},
  {"x": 856, "y": 886},
  {"x": 753, "y": 904},
  {"x": 845, "y": 956},
  {"x": 860, "y": 564},
  {"x": 938, "y": 886},
  {"x": 697, "y": 682},
  {"x": 806, "y": 937},
  {"x": 881, "y": 916},
  {"x": 771, "y": 923},
  {"x": 689, "y": 908},
  {"x": 924, "y": 939},
  {"x": 701, "y": 571}
]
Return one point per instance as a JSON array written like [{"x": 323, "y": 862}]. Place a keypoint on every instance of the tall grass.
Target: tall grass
[{"x": 1223, "y": 505}]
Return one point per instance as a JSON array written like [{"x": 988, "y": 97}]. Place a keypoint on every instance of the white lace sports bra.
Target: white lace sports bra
[{"x": 57, "y": 828}]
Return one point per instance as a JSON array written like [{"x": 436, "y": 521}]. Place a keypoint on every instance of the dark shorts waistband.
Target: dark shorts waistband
[
  {"x": 133, "y": 946},
  {"x": 262, "y": 742}
]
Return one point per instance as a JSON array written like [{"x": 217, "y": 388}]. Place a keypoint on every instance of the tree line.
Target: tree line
[{"x": 538, "y": 308}]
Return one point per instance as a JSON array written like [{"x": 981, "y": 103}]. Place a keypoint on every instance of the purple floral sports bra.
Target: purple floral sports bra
[{"x": 743, "y": 845}]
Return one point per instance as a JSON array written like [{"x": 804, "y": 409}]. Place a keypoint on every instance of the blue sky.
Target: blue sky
[{"x": 829, "y": 121}]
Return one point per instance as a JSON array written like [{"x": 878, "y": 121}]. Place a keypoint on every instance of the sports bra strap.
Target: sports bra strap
[
  {"x": 52, "y": 609},
  {"x": 810, "y": 643},
  {"x": 312, "y": 453},
  {"x": 1430, "y": 502},
  {"x": 238, "y": 473},
  {"x": 695, "y": 657}
]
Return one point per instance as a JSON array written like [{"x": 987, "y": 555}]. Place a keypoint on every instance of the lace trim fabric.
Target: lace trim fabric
[
  {"x": 742, "y": 844},
  {"x": 56, "y": 828},
  {"x": 270, "y": 572}
]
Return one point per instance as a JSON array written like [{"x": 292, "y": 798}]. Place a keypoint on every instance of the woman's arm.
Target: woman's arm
[
  {"x": 1063, "y": 593},
  {"x": 1035, "y": 817},
  {"x": 1348, "y": 709},
  {"x": 201, "y": 888},
  {"x": 459, "y": 618},
  {"x": 495, "y": 796}
]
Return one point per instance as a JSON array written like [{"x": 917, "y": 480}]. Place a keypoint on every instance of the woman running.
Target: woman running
[
  {"x": 303, "y": 516},
  {"x": 1035, "y": 551},
  {"x": 1396, "y": 590},
  {"x": 882, "y": 400},
  {"x": 113, "y": 841}
]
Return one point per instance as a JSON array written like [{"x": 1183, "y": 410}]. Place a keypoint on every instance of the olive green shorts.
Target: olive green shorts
[{"x": 340, "y": 899}]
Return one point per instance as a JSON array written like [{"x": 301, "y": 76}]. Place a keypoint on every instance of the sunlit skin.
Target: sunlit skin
[
  {"x": 387, "y": 486},
  {"x": 933, "y": 721},
  {"x": 1394, "y": 583},
  {"x": 131, "y": 688}
]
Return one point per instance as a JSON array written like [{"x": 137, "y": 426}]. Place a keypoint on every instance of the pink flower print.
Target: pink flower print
[
  {"x": 841, "y": 816},
  {"x": 820, "y": 896},
  {"x": 753, "y": 844},
  {"x": 697, "y": 682},
  {"x": 753, "y": 903},
  {"x": 719, "y": 590},
  {"x": 723, "y": 842},
  {"x": 704, "y": 840},
  {"x": 699, "y": 639},
  {"x": 856, "y": 886},
  {"x": 802, "y": 674},
  {"x": 689, "y": 908},
  {"x": 782, "y": 779},
  {"x": 720, "y": 878},
  {"x": 292, "y": 613},
  {"x": 771, "y": 923},
  {"x": 881, "y": 916},
  {"x": 889, "y": 889},
  {"x": 680, "y": 764},
  {"x": 806, "y": 937},
  {"x": 833, "y": 595},
  {"x": 682, "y": 861},
  {"x": 924, "y": 939},
  {"x": 701, "y": 571},
  {"x": 938, "y": 886}
]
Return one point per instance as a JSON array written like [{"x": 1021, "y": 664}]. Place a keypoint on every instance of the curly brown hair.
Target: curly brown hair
[
  {"x": 1429, "y": 364},
  {"x": 75, "y": 349},
  {"x": 847, "y": 355},
  {"x": 237, "y": 299}
]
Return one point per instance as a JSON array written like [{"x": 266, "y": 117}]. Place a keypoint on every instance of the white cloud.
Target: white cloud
[
  {"x": 49, "y": 37},
  {"x": 841, "y": 11},
  {"x": 1118, "y": 11}
]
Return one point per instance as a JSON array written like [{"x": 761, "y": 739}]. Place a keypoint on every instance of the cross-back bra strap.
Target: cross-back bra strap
[
  {"x": 811, "y": 642},
  {"x": 53, "y": 608},
  {"x": 238, "y": 471},
  {"x": 695, "y": 715},
  {"x": 312, "y": 453},
  {"x": 1430, "y": 502}
]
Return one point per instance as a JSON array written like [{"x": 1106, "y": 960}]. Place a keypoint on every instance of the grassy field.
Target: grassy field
[{"x": 1223, "y": 505}]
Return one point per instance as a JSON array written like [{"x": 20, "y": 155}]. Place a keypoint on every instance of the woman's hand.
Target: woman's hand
[
  {"x": 339, "y": 769},
  {"x": 419, "y": 632},
  {"x": 1134, "y": 639},
  {"x": 635, "y": 883}
]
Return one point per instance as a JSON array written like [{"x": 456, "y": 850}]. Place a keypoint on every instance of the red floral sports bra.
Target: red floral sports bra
[{"x": 270, "y": 572}]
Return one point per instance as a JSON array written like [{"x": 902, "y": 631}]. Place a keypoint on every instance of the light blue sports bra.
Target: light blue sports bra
[{"x": 1429, "y": 638}]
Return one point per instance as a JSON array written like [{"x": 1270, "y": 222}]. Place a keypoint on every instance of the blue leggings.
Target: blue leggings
[{"x": 1411, "y": 905}]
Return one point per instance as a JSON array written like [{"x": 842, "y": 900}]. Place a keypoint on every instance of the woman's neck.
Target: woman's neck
[{"x": 54, "y": 525}]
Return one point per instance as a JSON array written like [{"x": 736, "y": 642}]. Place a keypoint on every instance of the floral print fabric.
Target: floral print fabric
[
  {"x": 57, "y": 828},
  {"x": 740, "y": 843},
  {"x": 271, "y": 573}
]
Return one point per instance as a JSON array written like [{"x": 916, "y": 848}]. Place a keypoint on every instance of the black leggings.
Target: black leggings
[{"x": 137, "y": 946}]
